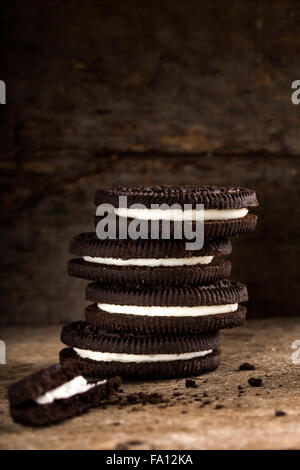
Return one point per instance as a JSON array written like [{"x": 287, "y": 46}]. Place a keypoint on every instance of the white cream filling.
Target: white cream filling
[
  {"x": 180, "y": 215},
  {"x": 75, "y": 386},
  {"x": 121, "y": 357},
  {"x": 154, "y": 311},
  {"x": 151, "y": 262}
]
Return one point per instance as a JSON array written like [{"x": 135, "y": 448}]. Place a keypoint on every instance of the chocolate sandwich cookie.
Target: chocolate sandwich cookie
[
  {"x": 147, "y": 262},
  {"x": 57, "y": 393},
  {"x": 195, "y": 308},
  {"x": 225, "y": 208},
  {"x": 139, "y": 356}
]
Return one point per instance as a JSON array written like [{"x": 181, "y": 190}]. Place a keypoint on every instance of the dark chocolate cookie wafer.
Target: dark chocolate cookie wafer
[
  {"x": 147, "y": 262},
  {"x": 212, "y": 197},
  {"x": 81, "y": 335},
  {"x": 230, "y": 228},
  {"x": 221, "y": 293},
  {"x": 56, "y": 393},
  {"x": 158, "y": 276},
  {"x": 163, "y": 324},
  {"x": 88, "y": 244},
  {"x": 139, "y": 356},
  {"x": 212, "y": 228}
]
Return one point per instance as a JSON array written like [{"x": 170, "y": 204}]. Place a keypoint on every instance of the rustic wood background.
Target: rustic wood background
[
  {"x": 188, "y": 420},
  {"x": 102, "y": 92}
]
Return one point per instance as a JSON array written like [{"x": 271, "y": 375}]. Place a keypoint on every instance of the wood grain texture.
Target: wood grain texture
[
  {"x": 140, "y": 76},
  {"x": 244, "y": 422}
]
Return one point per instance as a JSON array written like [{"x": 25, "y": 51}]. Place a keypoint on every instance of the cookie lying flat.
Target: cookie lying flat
[
  {"x": 138, "y": 356},
  {"x": 56, "y": 393},
  {"x": 147, "y": 262},
  {"x": 225, "y": 208},
  {"x": 167, "y": 310}
]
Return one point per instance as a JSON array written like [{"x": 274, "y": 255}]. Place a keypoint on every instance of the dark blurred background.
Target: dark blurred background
[{"x": 142, "y": 92}]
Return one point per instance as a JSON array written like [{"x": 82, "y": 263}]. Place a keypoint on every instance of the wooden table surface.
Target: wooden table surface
[{"x": 247, "y": 421}]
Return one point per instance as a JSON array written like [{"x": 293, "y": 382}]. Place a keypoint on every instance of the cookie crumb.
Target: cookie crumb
[
  {"x": 134, "y": 442},
  {"x": 255, "y": 382},
  {"x": 189, "y": 383},
  {"x": 280, "y": 413},
  {"x": 247, "y": 366},
  {"x": 121, "y": 447},
  {"x": 207, "y": 402}
]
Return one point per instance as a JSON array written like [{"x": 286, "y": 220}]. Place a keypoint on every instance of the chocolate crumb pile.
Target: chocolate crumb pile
[{"x": 141, "y": 397}]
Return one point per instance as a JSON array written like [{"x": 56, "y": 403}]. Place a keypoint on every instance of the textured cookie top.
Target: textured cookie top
[
  {"x": 84, "y": 336},
  {"x": 38, "y": 384},
  {"x": 163, "y": 324},
  {"x": 88, "y": 244},
  {"x": 212, "y": 197},
  {"x": 222, "y": 292}
]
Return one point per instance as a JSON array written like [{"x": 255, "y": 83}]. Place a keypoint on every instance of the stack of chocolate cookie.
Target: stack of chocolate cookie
[{"x": 157, "y": 306}]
